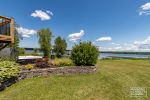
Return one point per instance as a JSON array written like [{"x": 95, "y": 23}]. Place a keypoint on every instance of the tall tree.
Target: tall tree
[
  {"x": 21, "y": 51},
  {"x": 45, "y": 41},
  {"x": 35, "y": 52},
  {"x": 60, "y": 46},
  {"x": 17, "y": 38}
]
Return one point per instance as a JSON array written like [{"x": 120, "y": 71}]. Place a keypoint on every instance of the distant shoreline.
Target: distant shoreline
[{"x": 124, "y": 52}]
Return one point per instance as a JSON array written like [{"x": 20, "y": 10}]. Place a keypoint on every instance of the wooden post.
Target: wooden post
[{"x": 12, "y": 30}]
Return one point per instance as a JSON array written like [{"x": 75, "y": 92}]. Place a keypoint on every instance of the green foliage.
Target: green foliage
[
  {"x": 15, "y": 45},
  {"x": 21, "y": 51},
  {"x": 45, "y": 41},
  {"x": 62, "y": 62},
  {"x": 8, "y": 69},
  {"x": 7, "y": 59},
  {"x": 35, "y": 52},
  {"x": 16, "y": 38},
  {"x": 84, "y": 54},
  {"x": 112, "y": 82},
  {"x": 60, "y": 46},
  {"x": 29, "y": 66}
]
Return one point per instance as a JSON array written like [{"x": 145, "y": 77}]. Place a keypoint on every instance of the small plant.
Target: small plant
[
  {"x": 29, "y": 66},
  {"x": 62, "y": 62},
  {"x": 42, "y": 62},
  {"x": 84, "y": 54}
]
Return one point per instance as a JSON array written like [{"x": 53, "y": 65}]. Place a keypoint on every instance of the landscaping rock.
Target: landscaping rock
[
  {"x": 7, "y": 83},
  {"x": 56, "y": 71}
]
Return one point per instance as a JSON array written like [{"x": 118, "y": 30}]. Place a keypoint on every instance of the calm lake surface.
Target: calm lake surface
[{"x": 107, "y": 55}]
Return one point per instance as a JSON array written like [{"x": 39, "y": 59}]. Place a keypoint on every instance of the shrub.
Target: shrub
[
  {"x": 84, "y": 54},
  {"x": 29, "y": 66},
  {"x": 62, "y": 62},
  {"x": 42, "y": 62},
  {"x": 6, "y": 59},
  {"x": 35, "y": 52},
  {"x": 8, "y": 69},
  {"x": 21, "y": 51},
  {"x": 60, "y": 46}
]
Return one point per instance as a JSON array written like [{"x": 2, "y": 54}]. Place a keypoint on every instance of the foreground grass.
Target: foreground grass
[{"x": 112, "y": 82}]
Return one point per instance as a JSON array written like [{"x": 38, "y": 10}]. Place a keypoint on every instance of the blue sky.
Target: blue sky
[{"x": 119, "y": 25}]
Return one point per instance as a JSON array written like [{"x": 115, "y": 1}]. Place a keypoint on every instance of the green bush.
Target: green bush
[
  {"x": 7, "y": 59},
  {"x": 29, "y": 66},
  {"x": 8, "y": 69},
  {"x": 62, "y": 62},
  {"x": 21, "y": 51},
  {"x": 84, "y": 54}
]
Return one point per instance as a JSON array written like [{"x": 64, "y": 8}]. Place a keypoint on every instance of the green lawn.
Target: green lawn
[{"x": 112, "y": 82}]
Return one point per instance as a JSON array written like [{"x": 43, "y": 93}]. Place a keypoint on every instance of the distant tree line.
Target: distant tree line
[{"x": 125, "y": 52}]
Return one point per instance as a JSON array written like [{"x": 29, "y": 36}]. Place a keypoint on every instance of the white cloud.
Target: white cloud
[
  {"x": 42, "y": 15},
  {"x": 117, "y": 44},
  {"x": 76, "y": 36},
  {"x": 123, "y": 47},
  {"x": 144, "y": 45},
  {"x": 93, "y": 43},
  {"x": 146, "y": 13},
  {"x": 24, "y": 32},
  {"x": 145, "y": 9},
  {"x": 147, "y": 41},
  {"x": 104, "y": 39},
  {"x": 49, "y": 12},
  {"x": 146, "y": 6},
  {"x": 135, "y": 46}
]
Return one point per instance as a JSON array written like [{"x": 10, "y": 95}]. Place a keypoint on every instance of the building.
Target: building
[
  {"x": 6, "y": 30},
  {"x": 6, "y": 36}
]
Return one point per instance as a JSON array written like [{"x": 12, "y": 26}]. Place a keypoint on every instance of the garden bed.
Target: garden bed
[{"x": 56, "y": 71}]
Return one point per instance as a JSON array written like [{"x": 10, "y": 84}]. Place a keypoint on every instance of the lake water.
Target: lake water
[{"x": 107, "y": 55}]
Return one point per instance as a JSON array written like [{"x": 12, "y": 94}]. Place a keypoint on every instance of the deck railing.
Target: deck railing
[{"x": 6, "y": 30}]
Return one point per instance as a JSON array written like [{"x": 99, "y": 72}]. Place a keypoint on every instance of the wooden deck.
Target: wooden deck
[{"x": 6, "y": 30}]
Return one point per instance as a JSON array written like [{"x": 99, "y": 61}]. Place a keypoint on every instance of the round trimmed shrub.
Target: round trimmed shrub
[{"x": 84, "y": 54}]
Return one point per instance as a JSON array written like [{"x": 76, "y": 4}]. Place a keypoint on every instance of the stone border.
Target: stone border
[
  {"x": 56, "y": 71},
  {"x": 8, "y": 82}
]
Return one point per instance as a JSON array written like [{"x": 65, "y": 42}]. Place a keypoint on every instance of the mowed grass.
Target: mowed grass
[{"x": 112, "y": 82}]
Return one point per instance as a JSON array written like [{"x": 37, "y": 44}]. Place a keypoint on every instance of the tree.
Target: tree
[
  {"x": 16, "y": 41},
  {"x": 16, "y": 38},
  {"x": 21, "y": 51},
  {"x": 45, "y": 41},
  {"x": 35, "y": 51},
  {"x": 60, "y": 46},
  {"x": 84, "y": 54}
]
